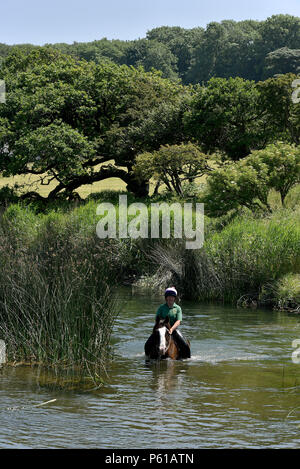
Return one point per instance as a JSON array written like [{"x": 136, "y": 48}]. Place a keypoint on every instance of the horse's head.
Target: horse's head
[{"x": 162, "y": 335}]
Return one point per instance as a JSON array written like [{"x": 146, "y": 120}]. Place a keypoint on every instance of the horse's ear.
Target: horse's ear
[{"x": 157, "y": 319}]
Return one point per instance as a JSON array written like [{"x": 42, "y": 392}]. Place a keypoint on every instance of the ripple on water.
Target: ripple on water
[{"x": 239, "y": 389}]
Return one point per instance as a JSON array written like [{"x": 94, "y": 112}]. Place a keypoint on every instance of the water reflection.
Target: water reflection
[{"x": 167, "y": 377}]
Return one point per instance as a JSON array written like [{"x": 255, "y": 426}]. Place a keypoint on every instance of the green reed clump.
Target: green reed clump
[{"x": 56, "y": 279}]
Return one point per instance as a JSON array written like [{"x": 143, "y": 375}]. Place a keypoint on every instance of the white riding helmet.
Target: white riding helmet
[{"x": 170, "y": 291}]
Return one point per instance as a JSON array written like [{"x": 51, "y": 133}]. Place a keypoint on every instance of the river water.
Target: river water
[{"x": 240, "y": 389}]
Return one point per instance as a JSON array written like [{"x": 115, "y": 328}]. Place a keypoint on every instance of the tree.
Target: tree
[
  {"x": 64, "y": 117},
  {"x": 237, "y": 184},
  {"x": 181, "y": 42},
  {"x": 282, "y": 114},
  {"x": 275, "y": 32},
  {"x": 152, "y": 54},
  {"x": 206, "y": 54},
  {"x": 173, "y": 164},
  {"x": 248, "y": 182},
  {"x": 283, "y": 166},
  {"x": 226, "y": 115},
  {"x": 282, "y": 61}
]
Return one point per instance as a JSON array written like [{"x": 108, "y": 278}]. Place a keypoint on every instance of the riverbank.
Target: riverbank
[{"x": 254, "y": 258}]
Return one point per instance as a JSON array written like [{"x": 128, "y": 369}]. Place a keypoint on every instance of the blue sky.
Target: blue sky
[{"x": 40, "y": 21}]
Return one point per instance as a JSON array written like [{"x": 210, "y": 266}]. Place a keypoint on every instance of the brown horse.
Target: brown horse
[{"x": 161, "y": 344}]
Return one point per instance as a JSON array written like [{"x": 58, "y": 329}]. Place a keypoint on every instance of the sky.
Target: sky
[{"x": 40, "y": 21}]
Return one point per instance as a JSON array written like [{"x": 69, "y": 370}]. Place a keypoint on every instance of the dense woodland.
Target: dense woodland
[{"x": 253, "y": 50}]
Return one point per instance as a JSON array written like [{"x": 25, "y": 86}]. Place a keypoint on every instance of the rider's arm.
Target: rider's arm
[
  {"x": 178, "y": 320},
  {"x": 175, "y": 325}
]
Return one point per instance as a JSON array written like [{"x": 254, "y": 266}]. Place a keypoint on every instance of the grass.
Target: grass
[
  {"x": 33, "y": 182},
  {"x": 56, "y": 277}
]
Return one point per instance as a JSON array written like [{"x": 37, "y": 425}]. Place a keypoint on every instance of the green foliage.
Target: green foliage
[
  {"x": 235, "y": 185},
  {"x": 181, "y": 42},
  {"x": 282, "y": 61},
  {"x": 249, "y": 49},
  {"x": 173, "y": 164},
  {"x": 152, "y": 55},
  {"x": 56, "y": 283},
  {"x": 283, "y": 166},
  {"x": 64, "y": 116},
  {"x": 56, "y": 147},
  {"x": 237, "y": 259},
  {"x": 282, "y": 114},
  {"x": 249, "y": 253},
  {"x": 70, "y": 108},
  {"x": 7, "y": 195},
  {"x": 287, "y": 290},
  {"x": 226, "y": 115},
  {"x": 248, "y": 182}
]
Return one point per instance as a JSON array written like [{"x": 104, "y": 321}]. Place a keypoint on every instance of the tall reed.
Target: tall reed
[{"x": 56, "y": 278}]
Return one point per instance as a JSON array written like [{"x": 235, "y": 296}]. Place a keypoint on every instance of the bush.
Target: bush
[{"x": 287, "y": 291}]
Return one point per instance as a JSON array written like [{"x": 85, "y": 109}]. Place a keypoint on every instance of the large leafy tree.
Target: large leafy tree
[
  {"x": 63, "y": 117},
  {"x": 239, "y": 183},
  {"x": 181, "y": 42},
  {"x": 283, "y": 166},
  {"x": 226, "y": 49},
  {"x": 152, "y": 54},
  {"x": 282, "y": 61},
  {"x": 282, "y": 113},
  {"x": 206, "y": 54},
  {"x": 227, "y": 115},
  {"x": 275, "y": 32}
]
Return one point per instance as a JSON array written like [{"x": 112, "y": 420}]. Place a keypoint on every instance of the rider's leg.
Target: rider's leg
[{"x": 184, "y": 347}]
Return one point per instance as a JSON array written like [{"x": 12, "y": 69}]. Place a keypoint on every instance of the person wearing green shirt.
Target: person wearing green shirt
[{"x": 174, "y": 312}]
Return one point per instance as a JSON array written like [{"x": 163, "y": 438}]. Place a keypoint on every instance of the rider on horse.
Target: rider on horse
[{"x": 173, "y": 311}]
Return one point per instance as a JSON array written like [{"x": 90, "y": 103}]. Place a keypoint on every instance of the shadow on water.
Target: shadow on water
[{"x": 52, "y": 379}]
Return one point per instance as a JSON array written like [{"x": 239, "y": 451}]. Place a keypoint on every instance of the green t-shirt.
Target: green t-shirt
[{"x": 174, "y": 313}]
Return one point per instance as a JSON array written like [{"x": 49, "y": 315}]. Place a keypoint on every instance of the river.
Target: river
[{"x": 240, "y": 389}]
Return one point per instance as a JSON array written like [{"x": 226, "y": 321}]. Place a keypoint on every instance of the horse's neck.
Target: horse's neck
[{"x": 173, "y": 350}]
